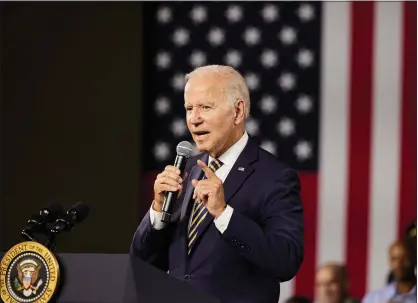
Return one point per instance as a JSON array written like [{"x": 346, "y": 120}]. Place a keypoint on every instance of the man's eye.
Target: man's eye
[{"x": 205, "y": 107}]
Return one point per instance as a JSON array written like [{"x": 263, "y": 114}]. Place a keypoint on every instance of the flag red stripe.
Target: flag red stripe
[
  {"x": 361, "y": 78},
  {"x": 408, "y": 163},
  {"x": 304, "y": 281}
]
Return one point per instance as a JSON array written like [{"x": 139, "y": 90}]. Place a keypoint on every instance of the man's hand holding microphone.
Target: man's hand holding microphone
[{"x": 167, "y": 181}]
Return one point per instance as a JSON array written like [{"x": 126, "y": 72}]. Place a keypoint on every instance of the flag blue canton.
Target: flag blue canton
[{"x": 275, "y": 46}]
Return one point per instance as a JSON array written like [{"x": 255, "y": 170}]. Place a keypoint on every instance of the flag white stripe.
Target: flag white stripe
[
  {"x": 286, "y": 291},
  {"x": 333, "y": 132},
  {"x": 385, "y": 140}
]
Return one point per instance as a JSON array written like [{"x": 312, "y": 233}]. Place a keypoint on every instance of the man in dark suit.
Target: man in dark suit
[{"x": 237, "y": 225}]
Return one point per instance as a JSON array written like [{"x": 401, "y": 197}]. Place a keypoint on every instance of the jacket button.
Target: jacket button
[{"x": 187, "y": 278}]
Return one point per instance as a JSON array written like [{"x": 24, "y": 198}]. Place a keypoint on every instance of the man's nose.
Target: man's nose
[{"x": 195, "y": 117}]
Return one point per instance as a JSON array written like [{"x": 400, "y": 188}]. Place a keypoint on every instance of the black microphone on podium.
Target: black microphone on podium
[
  {"x": 75, "y": 214},
  {"x": 184, "y": 151},
  {"x": 38, "y": 222}
]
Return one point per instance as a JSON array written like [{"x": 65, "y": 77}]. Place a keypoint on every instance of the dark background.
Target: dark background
[{"x": 70, "y": 110}]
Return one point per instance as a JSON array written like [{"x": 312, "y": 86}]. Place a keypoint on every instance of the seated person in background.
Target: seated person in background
[
  {"x": 403, "y": 288},
  {"x": 331, "y": 284},
  {"x": 411, "y": 237},
  {"x": 298, "y": 299}
]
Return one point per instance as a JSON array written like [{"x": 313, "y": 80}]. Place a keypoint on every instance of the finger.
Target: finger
[
  {"x": 165, "y": 188},
  {"x": 203, "y": 195},
  {"x": 168, "y": 181},
  {"x": 173, "y": 169},
  {"x": 208, "y": 172},
  {"x": 172, "y": 175},
  {"x": 195, "y": 183}
]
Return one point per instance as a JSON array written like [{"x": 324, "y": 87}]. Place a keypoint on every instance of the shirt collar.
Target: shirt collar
[
  {"x": 391, "y": 288},
  {"x": 231, "y": 155}
]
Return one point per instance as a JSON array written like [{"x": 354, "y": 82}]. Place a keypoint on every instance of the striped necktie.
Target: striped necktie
[{"x": 199, "y": 211}]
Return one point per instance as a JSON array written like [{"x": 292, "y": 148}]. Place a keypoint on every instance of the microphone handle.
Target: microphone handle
[{"x": 170, "y": 197}]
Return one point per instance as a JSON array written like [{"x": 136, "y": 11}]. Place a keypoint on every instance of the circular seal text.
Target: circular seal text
[{"x": 29, "y": 273}]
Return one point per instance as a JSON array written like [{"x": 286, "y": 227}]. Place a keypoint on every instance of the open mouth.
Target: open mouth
[{"x": 201, "y": 134}]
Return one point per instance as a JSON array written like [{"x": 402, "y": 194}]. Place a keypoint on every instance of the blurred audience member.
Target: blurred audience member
[
  {"x": 331, "y": 284},
  {"x": 411, "y": 237},
  {"x": 298, "y": 299},
  {"x": 402, "y": 260}
]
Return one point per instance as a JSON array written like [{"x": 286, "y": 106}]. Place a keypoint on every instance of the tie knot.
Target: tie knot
[{"x": 215, "y": 164}]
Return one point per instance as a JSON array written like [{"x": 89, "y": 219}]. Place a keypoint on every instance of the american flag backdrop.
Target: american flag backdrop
[{"x": 333, "y": 94}]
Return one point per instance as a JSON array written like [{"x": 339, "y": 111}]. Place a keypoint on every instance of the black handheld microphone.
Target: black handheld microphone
[
  {"x": 184, "y": 151},
  {"x": 77, "y": 213},
  {"x": 38, "y": 222}
]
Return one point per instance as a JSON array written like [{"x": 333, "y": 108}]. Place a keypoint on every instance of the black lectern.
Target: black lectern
[
  {"x": 119, "y": 278},
  {"x": 107, "y": 278}
]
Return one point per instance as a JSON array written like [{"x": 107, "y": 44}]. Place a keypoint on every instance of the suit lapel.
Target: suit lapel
[
  {"x": 241, "y": 170},
  {"x": 195, "y": 173},
  {"x": 236, "y": 178}
]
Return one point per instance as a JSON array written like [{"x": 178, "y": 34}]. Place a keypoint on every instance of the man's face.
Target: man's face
[
  {"x": 328, "y": 287},
  {"x": 210, "y": 118},
  {"x": 400, "y": 262}
]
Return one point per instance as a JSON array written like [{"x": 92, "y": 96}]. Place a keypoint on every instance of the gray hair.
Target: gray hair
[{"x": 236, "y": 88}]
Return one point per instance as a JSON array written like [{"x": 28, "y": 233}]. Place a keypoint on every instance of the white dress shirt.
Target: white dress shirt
[{"x": 228, "y": 159}]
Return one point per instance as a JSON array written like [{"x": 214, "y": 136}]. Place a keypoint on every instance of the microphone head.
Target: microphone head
[
  {"x": 80, "y": 210},
  {"x": 184, "y": 148}
]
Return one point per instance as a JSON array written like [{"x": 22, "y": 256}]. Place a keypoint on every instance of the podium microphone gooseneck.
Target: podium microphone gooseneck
[
  {"x": 77, "y": 213},
  {"x": 184, "y": 151},
  {"x": 37, "y": 224}
]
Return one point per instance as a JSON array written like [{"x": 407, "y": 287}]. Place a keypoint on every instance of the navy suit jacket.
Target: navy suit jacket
[{"x": 262, "y": 246}]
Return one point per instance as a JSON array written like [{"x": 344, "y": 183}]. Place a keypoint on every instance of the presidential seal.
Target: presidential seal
[{"x": 29, "y": 272}]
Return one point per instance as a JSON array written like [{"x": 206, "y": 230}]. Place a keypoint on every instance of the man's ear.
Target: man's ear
[{"x": 239, "y": 111}]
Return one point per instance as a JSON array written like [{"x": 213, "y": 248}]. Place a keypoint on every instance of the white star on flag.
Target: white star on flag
[
  {"x": 178, "y": 127},
  {"x": 287, "y": 81},
  {"x": 252, "y": 126},
  {"x": 306, "y": 12},
  {"x": 181, "y": 37},
  {"x": 287, "y": 35},
  {"x": 252, "y": 81},
  {"x": 162, "y": 106},
  {"x": 305, "y": 58},
  {"x": 234, "y": 13},
  {"x": 269, "y": 58},
  {"x": 198, "y": 14},
  {"x": 233, "y": 58},
  {"x": 303, "y": 150},
  {"x": 286, "y": 127},
  {"x": 304, "y": 104},
  {"x": 163, "y": 60},
  {"x": 164, "y": 15},
  {"x": 161, "y": 151},
  {"x": 270, "y": 13},
  {"x": 178, "y": 81},
  {"x": 252, "y": 36},
  {"x": 197, "y": 58},
  {"x": 268, "y": 104},
  {"x": 216, "y": 36}
]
